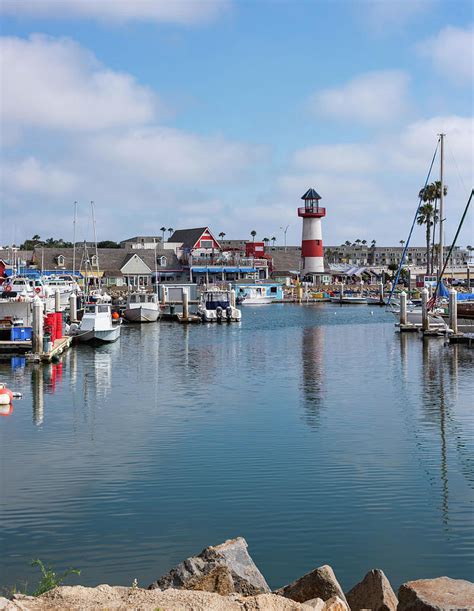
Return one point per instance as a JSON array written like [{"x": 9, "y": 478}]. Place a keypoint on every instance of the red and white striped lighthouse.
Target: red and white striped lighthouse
[{"x": 312, "y": 260}]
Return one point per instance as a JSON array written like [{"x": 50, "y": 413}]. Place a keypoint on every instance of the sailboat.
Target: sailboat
[
  {"x": 97, "y": 324},
  {"x": 143, "y": 306}
]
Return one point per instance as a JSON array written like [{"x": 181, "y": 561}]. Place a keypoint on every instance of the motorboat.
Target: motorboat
[
  {"x": 350, "y": 300},
  {"x": 66, "y": 285},
  {"x": 215, "y": 306},
  {"x": 97, "y": 324},
  {"x": 142, "y": 307},
  {"x": 255, "y": 295}
]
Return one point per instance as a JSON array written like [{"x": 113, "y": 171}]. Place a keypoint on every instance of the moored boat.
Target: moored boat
[
  {"x": 142, "y": 307},
  {"x": 97, "y": 325},
  {"x": 215, "y": 306}
]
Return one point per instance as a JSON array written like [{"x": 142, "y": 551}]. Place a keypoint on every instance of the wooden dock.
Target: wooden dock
[{"x": 59, "y": 346}]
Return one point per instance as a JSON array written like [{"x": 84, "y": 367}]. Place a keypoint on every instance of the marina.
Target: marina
[{"x": 171, "y": 461}]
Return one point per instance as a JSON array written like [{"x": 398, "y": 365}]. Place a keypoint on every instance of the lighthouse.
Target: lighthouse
[{"x": 312, "y": 260}]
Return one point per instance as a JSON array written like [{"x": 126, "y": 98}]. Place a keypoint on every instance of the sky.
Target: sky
[{"x": 222, "y": 113}]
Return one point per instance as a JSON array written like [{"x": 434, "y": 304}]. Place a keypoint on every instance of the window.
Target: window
[
  {"x": 273, "y": 289},
  {"x": 163, "y": 261},
  {"x": 206, "y": 243},
  {"x": 60, "y": 260},
  {"x": 94, "y": 260}
]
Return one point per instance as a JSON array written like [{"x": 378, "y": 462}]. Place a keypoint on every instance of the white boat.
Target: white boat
[
  {"x": 65, "y": 284},
  {"x": 215, "y": 306},
  {"x": 142, "y": 307},
  {"x": 97, "y": 325},
  {"x": 255, "y": 295},
  {"x": 349, "y": 300}
]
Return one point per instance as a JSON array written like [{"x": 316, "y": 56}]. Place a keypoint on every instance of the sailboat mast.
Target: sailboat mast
[
  {"x": 441, "y": 205},
  {"x": 74, "y": 242},
  {"x": 95, "y": 242}
]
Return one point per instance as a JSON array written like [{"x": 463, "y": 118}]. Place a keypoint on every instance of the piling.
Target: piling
[
  {"x": 299, "y": 293},
  {"x": 453, "y": 311},
  {"x": 381, "y": 292},
  {"x": 232, "y": 298},
  {"x": 185, "y": 300},
  {"x": 403, "y": 308},
  {"x": 163, "y": 295},
  {"x": 73, "y": 307},
  {"x": 57, "y": 301},
  {"x": 425, "y": 323},
  {"x": 37, "y": 343},
  {"x": 341, "y": 291}
]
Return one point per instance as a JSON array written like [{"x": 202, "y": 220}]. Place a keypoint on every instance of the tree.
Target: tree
[
  {"x": 36, "y": 238},
  {"x": 426, "y": 215},
  {"x": 170, "y": 230},
  {"x": 347, "y": 243},
  {"x": 163, "y": 229},
  {"x": 273, "y": 240},
  {"x": 364, "y": 242},
  {"x": 222, "y": 235},
  {"x": 108, "y": 244},
  {"x": 253, "y": 233},
  {"x": 402, "y": 242},
  {"x": 265, "y": 241},
  {"x": 358, "y": 241}
]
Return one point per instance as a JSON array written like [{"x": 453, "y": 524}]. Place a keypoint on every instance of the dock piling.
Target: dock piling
[
  {"x": 37, "y": 343},
  {"x": 381, "y": 292},
  {"x": 453, "y": 311},
  {"x": 403, "y": 308},
  {"x": 57, "y": 301},
  {"x": 73, "y": 307},
  {"x": 425, "y": 323},
  {"x": 185, "y": 300},
  {"x": 232, "y": 298}
]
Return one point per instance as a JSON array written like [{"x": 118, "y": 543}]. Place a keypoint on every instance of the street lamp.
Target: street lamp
[{"x": 284, "y": 232}]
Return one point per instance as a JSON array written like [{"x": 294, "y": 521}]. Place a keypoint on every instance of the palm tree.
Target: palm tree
[
  {"x": 347, "y": 243},
  {"x": 364, "y": 242},
  {"x": 163, "y": 229},
  {"x": 253, "y": 233},
  {"x": 402, "y": 242},
  {"x": 265, "y": 241},
  {"x": 426, "y": 215},
  {"x": 170, "y": 230},
  {"x": 358, "y": 241},
  {"x": 273, "y": 240},
  {"x": 222, "y": 235},
  {"x": 35, "y": 238}
]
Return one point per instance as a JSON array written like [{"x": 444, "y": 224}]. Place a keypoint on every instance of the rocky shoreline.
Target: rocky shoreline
[{"x": 225, "y": 577}]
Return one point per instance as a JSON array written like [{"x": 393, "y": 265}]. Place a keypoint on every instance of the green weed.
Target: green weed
[{"x": 49, "y": 578}]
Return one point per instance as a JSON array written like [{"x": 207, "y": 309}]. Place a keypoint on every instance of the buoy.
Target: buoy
[
  {"x": 115, "y": 315},
  {"x": 8, "y": 288},
  {"x": 6, "y": 395},
  {"x": 6, "y": 410}
]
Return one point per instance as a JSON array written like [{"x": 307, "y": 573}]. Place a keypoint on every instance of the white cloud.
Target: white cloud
[
  {"x": 451, "y": 52},
  {"x": 56, "y": 84},
  {"x": 383, "y": 14},
  {"x": 335, "y": 158},
  {"x": 30, "y": 176},
  {"x": 118, "y": 11},
  {"x": 173, "y": 156},
  {"x": 371, "y": 98}
]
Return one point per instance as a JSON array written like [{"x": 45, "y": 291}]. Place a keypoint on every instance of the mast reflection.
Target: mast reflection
[{"x": 312, "y": 351}]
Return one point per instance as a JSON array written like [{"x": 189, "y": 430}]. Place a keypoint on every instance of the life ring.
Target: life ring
[
  {"x": 37, "y": 290},
  {"x": 8, "y": 288}
]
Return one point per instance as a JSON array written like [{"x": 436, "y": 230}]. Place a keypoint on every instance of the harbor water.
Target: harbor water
[{"x": 316, "y": 432}]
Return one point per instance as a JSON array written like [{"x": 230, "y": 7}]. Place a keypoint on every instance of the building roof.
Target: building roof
[
  {"x": 137, "y": 238},
  {"x": 311, "y": 194},
  {"x": 188, "y": 237},
  {"x": 111, "y": 260}
]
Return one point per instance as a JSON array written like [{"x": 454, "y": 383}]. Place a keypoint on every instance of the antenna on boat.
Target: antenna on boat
[{"x": 74, "y": 241}]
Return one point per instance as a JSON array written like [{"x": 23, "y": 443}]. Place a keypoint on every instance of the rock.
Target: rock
[
  {"x": 224, "y": 569},
  {"x": 438, "y": 594},
  {"x": 335, "y": 604},
  {"x": 317, "y": 604},
  {"x": 373, "y": 592},
  {"x": 320, "y": 583}
]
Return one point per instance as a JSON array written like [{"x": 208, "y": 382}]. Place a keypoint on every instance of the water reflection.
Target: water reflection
[{"x": 312, "y": 372}]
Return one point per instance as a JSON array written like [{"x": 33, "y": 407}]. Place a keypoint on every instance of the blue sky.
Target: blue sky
[{"x": 224, "y": 112}]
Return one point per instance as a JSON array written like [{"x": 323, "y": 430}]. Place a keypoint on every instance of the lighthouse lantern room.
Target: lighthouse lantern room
[{"x": 312, "y": 260}]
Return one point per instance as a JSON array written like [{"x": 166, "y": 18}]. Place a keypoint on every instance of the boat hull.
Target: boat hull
[
  {"x": 99, "y": 337},
  {"x": 142, "y": 314},
  {"x": 350, "y": 300}
]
